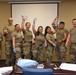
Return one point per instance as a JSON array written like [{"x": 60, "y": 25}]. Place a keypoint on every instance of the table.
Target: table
[
  {"x": 55, "y": 71},
  {"x": 8, "y": 73}
]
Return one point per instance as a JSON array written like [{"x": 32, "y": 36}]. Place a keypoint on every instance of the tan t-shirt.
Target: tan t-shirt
[
  {"x": 60, "y": 33},
  {"x": 27, "y": 35},
  {"x": 10, "y": 29},
  {"x": 18, "y": 36},
  {"x": 50, "y": 37},
  {"x": 40, "y": 39},
  {"x": 73, "y": 35}
]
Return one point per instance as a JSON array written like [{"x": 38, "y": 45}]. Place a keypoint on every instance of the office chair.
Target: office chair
[{"x": 33, "y": 71}]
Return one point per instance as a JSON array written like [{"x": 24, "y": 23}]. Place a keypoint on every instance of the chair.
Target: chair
[{"x": 33, "y": 71}]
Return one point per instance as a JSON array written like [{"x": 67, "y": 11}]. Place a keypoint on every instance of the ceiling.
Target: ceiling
[{"x": 28, "y": 0}]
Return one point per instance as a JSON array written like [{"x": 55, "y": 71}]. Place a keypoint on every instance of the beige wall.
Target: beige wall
[
  {"x": 4, "y": 15},
  {"x": 67, "y": 11}
]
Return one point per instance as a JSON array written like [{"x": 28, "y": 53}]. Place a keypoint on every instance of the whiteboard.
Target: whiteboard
[{"x": 45, "y": 13}]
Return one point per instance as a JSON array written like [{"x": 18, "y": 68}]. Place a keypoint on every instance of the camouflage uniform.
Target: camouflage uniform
[
  {"x": 1, "y": 44},
  {"x": 37, "y": 48},
  {"x": 18, "y": 44},
  {"x": 34, "y": 52},
  {"x": 60, "y": 49},
  {"x": 27, "y": 44},
  {"x": 73, "y": 45},
  {"x": 50, "y": 47},
  {"x": 8, "y": 44}
]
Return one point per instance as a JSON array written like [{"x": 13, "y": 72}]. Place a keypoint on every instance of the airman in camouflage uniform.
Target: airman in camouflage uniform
[
  {"x": 61, "y": 36},
  {"x": 7, "y": 31},
  {"x": 51, "y": 44},
  {"x": 72, "y": 39},
  {"x": 37, "y": 47},
  {"x": 27, "y": 44},
  {"x": 17, "y": 42},
  {"x": 39, "y": 44}
]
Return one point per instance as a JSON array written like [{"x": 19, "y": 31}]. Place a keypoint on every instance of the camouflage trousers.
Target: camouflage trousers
[
  {"x": 34, "y": 52},
  {"x": 0, "y": 49},
  {"x": 37, "y": 52},
  {"x": 27, "y": 46},
  {"x": 73, "y": 53},
  {"x": 61, "y": 52},
  {"x": 18, "y": 53},
  {"x": 49, "y": 52},
  {"x": 9, "y": 53}
]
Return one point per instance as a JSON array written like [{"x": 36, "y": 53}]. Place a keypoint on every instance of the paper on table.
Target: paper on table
[
  {"x": 68, "y": 66},
  {"x": 6, "y": 69},
  {"x": 40, "y": 66}
]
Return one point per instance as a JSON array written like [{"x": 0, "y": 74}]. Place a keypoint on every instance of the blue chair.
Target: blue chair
[{"x": 32, "y": 71}]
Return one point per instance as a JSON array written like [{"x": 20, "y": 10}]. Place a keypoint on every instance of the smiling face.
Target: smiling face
[
  {"x": 61, "y": 25},
  {"x": 10, "y": 21},
  {"x": 74, "y": 22},
  {"x": 40, "y": 29},
  {"x": 17, "y": 27},
  {"x": 28, "y": 24},
  {"x": 48, "y": 30}
]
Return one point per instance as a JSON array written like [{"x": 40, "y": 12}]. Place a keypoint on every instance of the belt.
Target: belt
[
  {"x": 73, "y": 43},
  {"x": 18, "y": 42},
  {"x": 28, "y": 41},
  {"x": 55, "y": 39}
]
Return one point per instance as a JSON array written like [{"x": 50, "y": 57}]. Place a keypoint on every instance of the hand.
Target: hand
[
  {"x": 46, "y": 45},
  {"x": 0, "y": 39},
  {"x": 33, "y": 42},
  {"x": 54, "y": 44},
  {"x": 5, "y": 31},
  {"x": 34, "y": 21},
  {"x": 59, "y": 41},
  {"x": 66, "y": 45},
  {"x": 56, "y": 23},
  {"x": 56, "y": 17},
  {"x": 24, "y": 18},
  {"x": 14, "y": 50}
]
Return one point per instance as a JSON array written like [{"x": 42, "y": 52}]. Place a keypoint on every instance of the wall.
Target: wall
[
  {"x": 67, "y": 12},
  {"x": 4, "y": 15}
]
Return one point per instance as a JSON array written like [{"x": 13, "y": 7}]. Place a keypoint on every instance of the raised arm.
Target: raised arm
[
  {"x": 33, "y": 26},
  {"x": 23, "y": 24},
  {"x": 55, "y": 22},
  {"x": 53, "y": 31},
  {"x": 24, "y": 18},
  {"x": 56, "y": 18}
]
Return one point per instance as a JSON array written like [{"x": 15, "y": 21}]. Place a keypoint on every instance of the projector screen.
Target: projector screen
[{"x": 45, "y": 13}]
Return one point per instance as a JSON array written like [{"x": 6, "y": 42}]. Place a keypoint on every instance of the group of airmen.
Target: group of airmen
[{"x": 40, "y": 48}]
